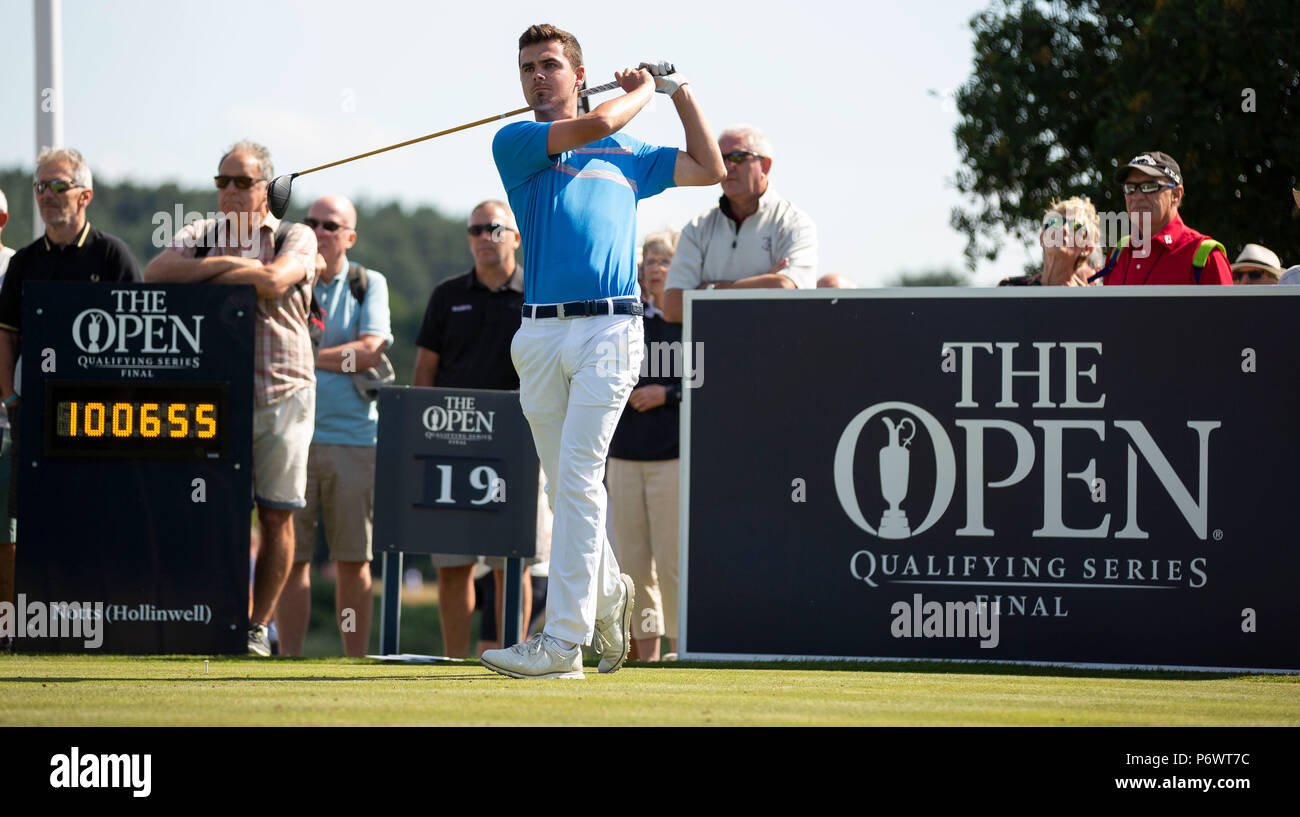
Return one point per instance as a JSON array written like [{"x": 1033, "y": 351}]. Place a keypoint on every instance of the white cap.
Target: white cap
[{"x": 1255, "y": 256}]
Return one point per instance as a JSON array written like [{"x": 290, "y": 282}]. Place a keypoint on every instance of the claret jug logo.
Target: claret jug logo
[
  {"x": 897, "y": 468},
  {"x": 1075, "y": 448},
  {"x": 458, "y": 421},
  {"x": 138, "y": 336}
]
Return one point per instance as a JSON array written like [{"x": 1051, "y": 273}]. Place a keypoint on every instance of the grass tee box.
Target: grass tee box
[
  {"x": 1096, "y": 477},
  {"x": 86, "y": 690}
]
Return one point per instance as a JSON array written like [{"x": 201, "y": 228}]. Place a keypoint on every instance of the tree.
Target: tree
[
  {"x": 1063, "y": 94},
  {"x": 930, "y": 278}
]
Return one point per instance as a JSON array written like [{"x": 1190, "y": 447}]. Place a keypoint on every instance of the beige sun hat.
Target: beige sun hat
[{"x": 1255, "y": 256}]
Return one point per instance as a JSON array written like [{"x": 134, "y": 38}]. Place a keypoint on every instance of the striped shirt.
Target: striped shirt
[{"x": 283, "y": 361}]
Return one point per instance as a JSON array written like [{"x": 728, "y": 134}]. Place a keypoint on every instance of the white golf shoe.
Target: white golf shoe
[
  {"x": 613, "y": 633},
  {"x": 539, "y": 657}
]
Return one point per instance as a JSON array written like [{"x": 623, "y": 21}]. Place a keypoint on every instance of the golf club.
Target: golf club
[{"x": 277, "y": 192}]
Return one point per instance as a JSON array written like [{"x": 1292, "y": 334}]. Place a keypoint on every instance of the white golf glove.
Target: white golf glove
[{"x": 667, "y": 80}]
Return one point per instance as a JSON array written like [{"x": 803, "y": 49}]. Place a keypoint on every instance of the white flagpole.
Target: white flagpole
[{"x": 49, "y": 86}]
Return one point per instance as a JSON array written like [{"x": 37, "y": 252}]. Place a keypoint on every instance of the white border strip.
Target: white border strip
[
  {"x": 684, "y": 498},
  {"x": 722, "y": 656}
]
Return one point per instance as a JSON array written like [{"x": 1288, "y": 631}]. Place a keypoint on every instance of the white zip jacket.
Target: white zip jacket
[{"x": 712, "y": 249}]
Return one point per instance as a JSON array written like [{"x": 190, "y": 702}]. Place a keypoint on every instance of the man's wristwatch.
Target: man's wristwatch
[
  {"x": 9, "y": 400},
  {"x": 711, "y": 285}
]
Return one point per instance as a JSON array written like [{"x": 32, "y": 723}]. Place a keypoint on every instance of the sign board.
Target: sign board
[
  {"x": 135, "y": 469},
  {"x": 1103, "y": 477},
  {"x": 455, "y": 472}
]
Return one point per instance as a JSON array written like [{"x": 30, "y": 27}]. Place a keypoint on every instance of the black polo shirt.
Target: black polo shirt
[
  {"x": 93, "y": 256},
  {"x": 470, "y": 328}
]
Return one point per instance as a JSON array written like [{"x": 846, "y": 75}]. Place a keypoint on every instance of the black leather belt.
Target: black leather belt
[{"x": 583, "y": 309}]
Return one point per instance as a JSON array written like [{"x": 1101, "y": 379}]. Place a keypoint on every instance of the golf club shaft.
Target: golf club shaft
[{"x": 585, "y": 92}]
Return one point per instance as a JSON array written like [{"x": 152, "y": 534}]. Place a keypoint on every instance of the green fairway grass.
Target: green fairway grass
[{"x": 125, "y": 690}]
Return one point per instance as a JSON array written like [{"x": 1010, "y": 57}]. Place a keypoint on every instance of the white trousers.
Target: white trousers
[{"x": 575, "y": 376}]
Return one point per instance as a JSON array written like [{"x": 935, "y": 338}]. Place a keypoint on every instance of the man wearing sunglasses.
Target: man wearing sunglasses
[
  {"x": 1256, "y": 264},
  {"x": 753, "y": 239},
  {"x": 1161, "y": 249},
  {"x": 70, "y": 250},
  {"x": 248, "y": 245},
  {"x": 464, "y": 342},
  {"x": 341, "y": 460}
]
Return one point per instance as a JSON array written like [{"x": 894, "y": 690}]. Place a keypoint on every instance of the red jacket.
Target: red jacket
[{"x": 1170, "y": 260}]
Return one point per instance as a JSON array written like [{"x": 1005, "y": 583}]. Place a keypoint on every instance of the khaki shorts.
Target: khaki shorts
[
  {"x": 341, "y": 490},
  {"x": 544, "y": 520},
  {"x": 281, "y": 439}
]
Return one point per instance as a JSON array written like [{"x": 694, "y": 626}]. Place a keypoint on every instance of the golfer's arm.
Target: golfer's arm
[
  {"x": 701, "y": 163},
  {"x": 364, "y": 353},
  {"x": 426, "y": 367},
  {"x": 271, "y": 281},
  {"x": 8, "y": 359},
  {"x": 170, "y": 267},
  {"x": 607, "y": 119}
]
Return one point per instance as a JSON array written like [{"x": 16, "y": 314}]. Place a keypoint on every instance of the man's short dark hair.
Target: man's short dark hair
[{"x": 546, "y": 33}]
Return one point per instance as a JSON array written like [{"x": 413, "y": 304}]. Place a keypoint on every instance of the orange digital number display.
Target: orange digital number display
[
  {"x": 128, "y": 420},
  {"x": 136, "y": 420}
]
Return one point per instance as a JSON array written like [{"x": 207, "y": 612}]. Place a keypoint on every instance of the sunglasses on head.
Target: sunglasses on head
[
  {"x": 242, "y": 182},
  {"x": 328, "y": 226},
  {"x": 479, "y": 229},
  {"x": 57, "y": 185},
  {"x": 737, "y": 156},
  {"x": 1146, "y": 187}
]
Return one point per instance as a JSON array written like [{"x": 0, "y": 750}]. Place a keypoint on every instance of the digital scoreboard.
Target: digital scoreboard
[
  {"x": 135, "y": 467},
  {"x": 135, "y": 420}
]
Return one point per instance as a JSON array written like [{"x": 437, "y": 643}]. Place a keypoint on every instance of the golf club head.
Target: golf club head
[{"x": 277, "y": 194}]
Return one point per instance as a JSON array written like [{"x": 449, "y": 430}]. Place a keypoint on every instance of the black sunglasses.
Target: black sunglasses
[
  {"x": 330, "y": 226},
  {"x": 1253, "y": 275},
  {"x": 242, "y": 182},
  {"x": 480, "y": 229},
  {"x": 738, "y": 156},
  {"x": 1146, "y": 187},
  {"x": 57, "y": 185}
]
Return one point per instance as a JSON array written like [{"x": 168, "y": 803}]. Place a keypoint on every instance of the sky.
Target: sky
[{"x": 855, "y": 98}]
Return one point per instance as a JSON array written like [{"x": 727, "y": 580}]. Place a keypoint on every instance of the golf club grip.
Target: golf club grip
[
  {"x": 608, "y": 86},
  {"x": 586, "y": 92}
]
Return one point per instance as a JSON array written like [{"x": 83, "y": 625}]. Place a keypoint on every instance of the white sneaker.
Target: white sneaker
[
  {"x": 539, "y": 657},
  {"x": 613, "y": 634}
]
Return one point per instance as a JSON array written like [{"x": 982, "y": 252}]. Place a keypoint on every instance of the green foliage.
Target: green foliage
[
  {"x": 1062, "y": 94},
  {"x": 414, "y": 250},
  {"x": 931, "y": 278}
]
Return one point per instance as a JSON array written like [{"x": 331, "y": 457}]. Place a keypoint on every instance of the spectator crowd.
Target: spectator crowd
[{"x": 315, "y": 418}]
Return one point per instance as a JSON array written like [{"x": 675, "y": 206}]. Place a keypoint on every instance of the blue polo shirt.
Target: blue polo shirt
[
  {"x": 344, "y": 417},
  {"x": 577, "y": 210}
]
